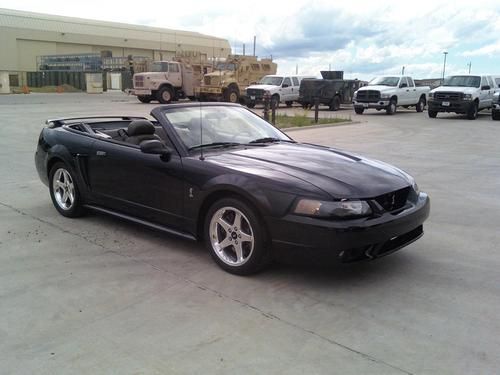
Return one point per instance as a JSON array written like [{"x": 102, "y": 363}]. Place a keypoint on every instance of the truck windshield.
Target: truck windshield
[
  {"x": 274, "y": 81},
  {"x": 226, "y": 66},
  {"x": 159, "y": 67},
  {"x": 384, "y": 81},
  {"x": 462, "y": 81}
]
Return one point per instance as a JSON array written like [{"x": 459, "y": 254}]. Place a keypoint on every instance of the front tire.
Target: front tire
[
  {"x": 145, "y": 98},
  {"x": 472, "y": 113},
  {"x": 232, "y": 94},
  {"x": 251, "y": 104},
  {"x": 359, "y": 110},
  {"x": 432, "y": 114},
  {"x": 235, "y": 238},
  {"x": 64, "y": 191},
  {"x": 495, "y": 115},
  {"x": 165, "y": 95},
  {"x": 275, "y": 101},
  {"x": 289, "y": 103},
  {"x": 391, "y": 109}
]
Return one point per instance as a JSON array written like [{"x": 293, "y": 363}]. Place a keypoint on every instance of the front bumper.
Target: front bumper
[
  {"x": 140, "y": 92},
  {"x": 208, "y": 90},
  {"x": 457, "y": 106},
  {"x": 380, "y": 104},
  {"x": 348, "y": 240}
]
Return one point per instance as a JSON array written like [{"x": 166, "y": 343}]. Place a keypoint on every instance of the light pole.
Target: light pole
[
  {"x": 469, "y": 65},
  {"x": 444, "y": 64}
]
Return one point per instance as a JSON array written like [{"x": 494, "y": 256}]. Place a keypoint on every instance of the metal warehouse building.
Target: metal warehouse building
[{"x": 25, "y": 36}]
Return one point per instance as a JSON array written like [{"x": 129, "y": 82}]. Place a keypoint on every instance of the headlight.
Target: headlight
[
  {"x": 342, "y": 209},
  {"x": 385, "y": 96},
  {"x": 467, "y": 96},
  {"x": 415, "y": 187},
  {"x": 355, "y": 95},
  {"x": 431, "y": 95}
]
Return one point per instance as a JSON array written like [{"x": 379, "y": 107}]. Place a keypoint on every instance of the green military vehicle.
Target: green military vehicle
[
  {"x": 231, "y": 77},
  {"x": 333, "y": 90}
]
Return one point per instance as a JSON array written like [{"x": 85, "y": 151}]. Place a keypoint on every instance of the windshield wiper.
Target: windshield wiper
[
  {"x": 214, "y": 144},
  {"x": 270, "y": 140}
]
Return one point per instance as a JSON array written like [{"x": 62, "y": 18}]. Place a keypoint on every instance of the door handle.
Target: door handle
[{"x": 101, "y": 153}]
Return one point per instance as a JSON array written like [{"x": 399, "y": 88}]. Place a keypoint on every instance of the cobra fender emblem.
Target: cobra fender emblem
[{"x": 191, "y": 193}]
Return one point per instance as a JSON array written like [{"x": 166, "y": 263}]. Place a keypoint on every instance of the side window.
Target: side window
[
  {"x": 410, "y": 82},
  {"x": 403, "y": 82},
  {"x": 491, "y": 83},
  {"x": 295, "y": 81},
  {"x": 173, "y": 68},
  {"x": 483, "y": 81},
  {"x": 287, "y": 81}
]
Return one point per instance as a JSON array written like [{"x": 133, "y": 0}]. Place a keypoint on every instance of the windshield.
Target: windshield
[
  {"x": 226, "y": 66},
  {"x": 159, "y": 67},
  {"x": 274, "y": 81},
  {"x": 462, "y": 81},
  {"x": 221, "y": 124},
  {"x": 384, "y": 81}
]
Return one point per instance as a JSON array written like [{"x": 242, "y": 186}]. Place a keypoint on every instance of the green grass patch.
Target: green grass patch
[{"x": 302, "y": 119}]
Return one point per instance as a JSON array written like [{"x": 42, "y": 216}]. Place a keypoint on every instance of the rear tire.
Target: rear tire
[
  {"x": 432, "y": 114},
  {"x": 165, "y": 95},
  {"x": 145, "y": 98},
  {"x": 64, "y": 191},
  {"x": 235, "y": 238},
  {"x": 495, "y": 115},
  {"x": 420, "y": 105},
  {"x": 472, "y": 112},
  {"x": 289, "y": 103},
  {"x": 251, "y": 104},
  {"x": 335, "y": 104},
  {"x": 359, "y": 110}
]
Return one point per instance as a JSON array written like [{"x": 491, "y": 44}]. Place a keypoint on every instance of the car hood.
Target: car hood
[
  {"x": 262, "y": 87},
  {"x": 338, "y": 173},
  {"x": 377, "y": 88},
  {"x": 466, "y": 90}
]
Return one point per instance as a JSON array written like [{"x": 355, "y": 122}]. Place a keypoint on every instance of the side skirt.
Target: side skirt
[{"x": 142, "y": 222}]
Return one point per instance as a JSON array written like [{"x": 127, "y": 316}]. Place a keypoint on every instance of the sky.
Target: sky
[{"x": 363, "y": 38}]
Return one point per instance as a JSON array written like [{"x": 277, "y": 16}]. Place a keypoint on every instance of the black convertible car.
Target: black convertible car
[{"x": 219, "y": 173}]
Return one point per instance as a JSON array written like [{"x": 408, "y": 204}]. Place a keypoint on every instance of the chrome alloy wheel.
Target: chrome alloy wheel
[
  {"x": 64, "y": 189},
  {"x": 231, "y": 236}
]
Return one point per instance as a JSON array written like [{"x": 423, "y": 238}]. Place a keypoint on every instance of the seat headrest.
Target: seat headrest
[{"x": 140, "y": 127}]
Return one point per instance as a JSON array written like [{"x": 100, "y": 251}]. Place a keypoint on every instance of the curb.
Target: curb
[{"x": 296, "y": 128}]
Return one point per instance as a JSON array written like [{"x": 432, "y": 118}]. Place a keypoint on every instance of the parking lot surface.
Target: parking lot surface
[{"x": 97, "y": 295}]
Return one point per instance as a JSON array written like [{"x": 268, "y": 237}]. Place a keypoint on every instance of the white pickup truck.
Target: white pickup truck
[
  {"x": 466, "y": 94},
  {"x": 390, "y": 92}
]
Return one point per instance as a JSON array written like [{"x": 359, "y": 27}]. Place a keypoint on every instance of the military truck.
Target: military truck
[
  {"x": 333, "y": 90},
  {"x": 170, "y": 80},
  {"x": 231, "y": 77}
]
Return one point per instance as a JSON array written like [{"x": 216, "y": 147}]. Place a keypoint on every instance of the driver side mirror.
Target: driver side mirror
[
  {"x": 486, "y": 87},
  {"x": 285, "y": 85},
  {"x": 403, "y": 85},
  {"x": 156, "y": 147}
]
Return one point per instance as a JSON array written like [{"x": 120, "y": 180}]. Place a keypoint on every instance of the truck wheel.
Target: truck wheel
[
  {"x": 145, "y": 98},
  {"x": 232, "y": 94},
  {"x": 289, "y": 103},
  {"x": 359, "y": 110},
  {"x": 165, "y": 95},
  {"x": 335, "y": 104},
  {"x": 495, "y": 115},
  {"x": 391, "y": 108},
  {"x": 275, "y": 101},
  {"x": 432, "y": 114},
  {"x": 420, "y": 105},
  {"x": 251, "y": 104},
  {"x": 472, "y": 113}
]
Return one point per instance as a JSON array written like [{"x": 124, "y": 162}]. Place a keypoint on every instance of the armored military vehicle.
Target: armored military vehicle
[
  {"x": 232, "y": 77},
  {"x": 170, "y": 80},
  {"x": 333, "y": 90}
]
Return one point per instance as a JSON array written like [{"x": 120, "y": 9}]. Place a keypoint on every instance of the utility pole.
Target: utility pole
[
  {"x": 243, "y": 49},
  {"x": 469, "y": 65},
  {"x": 403, "y": 71},
  {"x": 444, "y": 64},
  {"x": 297, "y": 69},
  {"x": 254, "y": 42}
]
